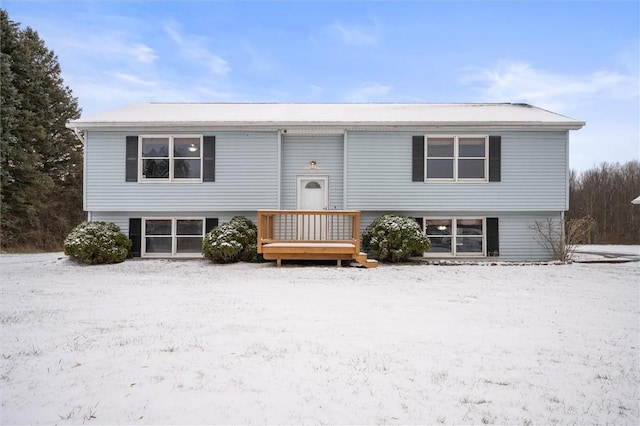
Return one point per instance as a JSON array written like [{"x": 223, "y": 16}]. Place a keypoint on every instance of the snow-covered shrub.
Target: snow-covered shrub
[
  {"x": 394, "y": 238},
  {"x": 96, "y": 243},
  {"x": 231, "y": 242}
]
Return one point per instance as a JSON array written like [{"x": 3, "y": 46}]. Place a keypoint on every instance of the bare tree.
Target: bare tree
[{"x": 561, "y": 242}]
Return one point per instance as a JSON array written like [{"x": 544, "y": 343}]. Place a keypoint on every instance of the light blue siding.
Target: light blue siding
[
  {"x": 122, "y": 218},
  {"x": 534, "y": 170},
  {"x": 249, "y": 176},
  {"x": 246, "y": 177},
  {"x": 298, "y": 151},
  {"x": 518, "y": 241}
]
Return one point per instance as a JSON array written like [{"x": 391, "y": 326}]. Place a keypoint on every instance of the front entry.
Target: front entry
[{"x": 312, "y": 194}]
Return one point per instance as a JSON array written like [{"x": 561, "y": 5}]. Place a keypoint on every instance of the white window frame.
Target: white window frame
[
  {"x": 457, "y": 158},
  {"x": 174, "y": 238},
  {"x": 454, "y": 236},
  {"x": 171, "y": 158}
]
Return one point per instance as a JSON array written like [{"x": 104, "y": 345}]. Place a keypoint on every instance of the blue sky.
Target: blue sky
[{"x": 577, "y": 58}]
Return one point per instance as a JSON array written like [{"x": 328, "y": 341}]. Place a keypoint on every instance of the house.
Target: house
[{"x": 474, "y": 176}]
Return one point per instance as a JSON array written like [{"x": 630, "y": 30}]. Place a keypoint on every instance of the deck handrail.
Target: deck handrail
[{"x": 309, "y": 226}]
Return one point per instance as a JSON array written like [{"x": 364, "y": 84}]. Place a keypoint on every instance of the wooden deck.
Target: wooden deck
[{"x": 310, "y": 234}]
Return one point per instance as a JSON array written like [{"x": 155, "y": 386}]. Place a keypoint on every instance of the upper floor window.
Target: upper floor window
[
  {"x": 170, "y": 158},
  {"x": 456, "y": 158}
]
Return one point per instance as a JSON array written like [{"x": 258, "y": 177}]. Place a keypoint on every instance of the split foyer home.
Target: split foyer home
[{"x": 474, "y": 176}]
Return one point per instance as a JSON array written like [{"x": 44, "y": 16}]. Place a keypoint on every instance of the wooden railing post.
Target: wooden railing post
[{"x": 356, "y": 231}]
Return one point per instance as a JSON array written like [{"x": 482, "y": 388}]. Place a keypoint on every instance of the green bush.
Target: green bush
[
  {"x": 394, "y": 238},
  {"x": 96, "y": 243},
  {"x": 233, "y": 241}
]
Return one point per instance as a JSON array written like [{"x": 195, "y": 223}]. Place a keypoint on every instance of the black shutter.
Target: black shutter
[
  {"x": 135, "y": 235},
  {"x": 417, "y": 163},
  {"x": 210, "y": 223},
  {"x": 209, "y": 159},
  {"x": 131, "y": 164},
  {"x": 495, "y": 143},
  {"x": 493, "y": 238}
]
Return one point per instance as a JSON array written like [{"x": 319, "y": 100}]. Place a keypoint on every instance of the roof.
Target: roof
[{"x": 279, "y": 115}]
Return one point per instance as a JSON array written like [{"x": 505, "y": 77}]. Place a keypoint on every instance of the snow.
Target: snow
[
  {"x": 606, "y": 252},
  {"x": 610, "y": 248},
  {"x": 189, "y": 342},
  {"x": 244, "y": 114}
]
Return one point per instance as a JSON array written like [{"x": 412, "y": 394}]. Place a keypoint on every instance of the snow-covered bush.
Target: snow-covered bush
[
  {"x": 96, "y": 243},
  {"x": 232, "y": 242},
  {"x": 394, "y": 238}
]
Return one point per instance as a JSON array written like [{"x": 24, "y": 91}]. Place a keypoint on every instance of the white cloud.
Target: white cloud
[
  {"x": 143, "y": 53},
  {"x": 105, "y": 45},
  {"x": 368, "y": 92},
  {"x": 521, "y": 82},
  {"x": 315, "y": 91},
  {"x": 133, "y": 80},
  {"x": 195, "y": 48},
  {"x": 357, "y": 35}
]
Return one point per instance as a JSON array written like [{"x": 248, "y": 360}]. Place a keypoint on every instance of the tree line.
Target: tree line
[
  {"x": 40, "y": 159},
  {"x": 605, "y": 193}
]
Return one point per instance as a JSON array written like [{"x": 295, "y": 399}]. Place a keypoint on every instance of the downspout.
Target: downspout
[
  {"x": 568, "y": 172},
  {"x": 279, "y": 177},
  {"x": 345, "y": 158},
  {"x": 80, "y": 134}
]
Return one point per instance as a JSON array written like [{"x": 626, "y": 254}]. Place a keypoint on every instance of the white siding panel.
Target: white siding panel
[
  {"x": 534, "y": 167},
  {"x": 246, "y": 177},
  {"x": 298, "y": 151}
]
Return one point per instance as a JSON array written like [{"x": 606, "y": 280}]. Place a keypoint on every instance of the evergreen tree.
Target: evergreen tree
[{"x": 41, "y": 160}]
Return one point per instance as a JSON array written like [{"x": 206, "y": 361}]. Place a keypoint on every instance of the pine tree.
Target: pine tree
[{"x": 41, "y": 160}]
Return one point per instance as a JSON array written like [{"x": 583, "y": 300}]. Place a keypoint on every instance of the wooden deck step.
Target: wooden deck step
[{"x": 361, "y": 258}]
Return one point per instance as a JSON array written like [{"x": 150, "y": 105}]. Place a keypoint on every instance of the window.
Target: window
[
  {"x": 456, "y": 158},
  {"x": 164, "y": 237},
  {"x": 456, "y": 236},
  {"x": 170, "y": 159}
]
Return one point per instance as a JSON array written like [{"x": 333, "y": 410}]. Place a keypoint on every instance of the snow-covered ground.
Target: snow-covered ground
[
  {"x": 599, "y": 252},
  {"x": 157, "y": 342}
]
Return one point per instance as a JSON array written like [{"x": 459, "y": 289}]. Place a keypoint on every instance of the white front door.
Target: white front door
[{"x": 312, "y": 194}]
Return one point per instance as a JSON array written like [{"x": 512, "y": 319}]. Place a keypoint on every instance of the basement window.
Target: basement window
[{"x": 172, "y": 237}]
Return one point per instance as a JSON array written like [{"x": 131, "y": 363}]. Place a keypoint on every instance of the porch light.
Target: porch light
[
  {"x": 192, "y": 148},
  {"x": 313, "y": 165}
]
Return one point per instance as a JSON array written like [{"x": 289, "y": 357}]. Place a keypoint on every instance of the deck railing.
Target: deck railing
[{"x": 309, "y": 226}]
